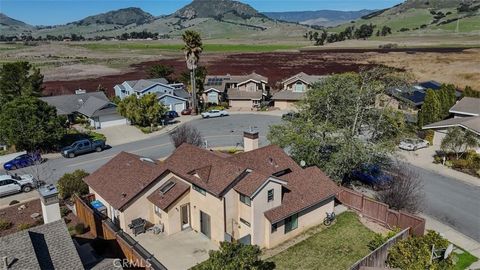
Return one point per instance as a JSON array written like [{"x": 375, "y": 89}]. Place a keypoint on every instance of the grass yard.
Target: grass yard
[
  {"x": 336, "y": 247},
  {"x": 464, "y": 260}
]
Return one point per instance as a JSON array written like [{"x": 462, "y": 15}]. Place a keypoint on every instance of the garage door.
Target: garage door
[
  {"x": 179, "y": 107},
  {"x": 112, "y": 123}
]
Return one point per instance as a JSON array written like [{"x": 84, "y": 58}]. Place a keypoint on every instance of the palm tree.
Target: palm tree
[{"x": 192, "y": 50}]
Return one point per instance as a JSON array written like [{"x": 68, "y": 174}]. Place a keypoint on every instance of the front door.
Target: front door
[
  {"x": 205, "y": 224},
  {"x": 185, "y": 216}
]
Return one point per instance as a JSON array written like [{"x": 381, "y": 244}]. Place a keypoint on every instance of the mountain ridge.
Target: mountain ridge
[{"x": 324, "y": 17}]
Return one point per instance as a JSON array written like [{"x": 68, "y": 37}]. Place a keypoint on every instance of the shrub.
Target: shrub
[
  {"x": 215, "y": 107},
  {"x": 415, "y": 252},
  {"x": 429, "y": 136},
  {"x": 5, "y": 225},
  {"x": 72, "y": 183},
  {"x": 80, "y": 228},
  {"x": 379, "y": 239},
  {"x": 460, "y": 164},
  {"x": 24, "y": 226},
  {"x": 13, "y": 202},
  {"x": 64, "y": 211}
]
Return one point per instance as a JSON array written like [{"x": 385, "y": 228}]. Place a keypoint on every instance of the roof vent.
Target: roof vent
[
  {"x": 124, "y": 194},
  {"x": 144, "y": 159},
  {"x": 80, "y": 91}
]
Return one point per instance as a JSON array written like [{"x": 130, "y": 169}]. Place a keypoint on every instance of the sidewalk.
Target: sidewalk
[
  {"x": 424, "y": 158},
  {"x": 455, "y": 237}
]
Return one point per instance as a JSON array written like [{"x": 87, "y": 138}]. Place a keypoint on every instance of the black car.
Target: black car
[{"x": 171, "y": 114}]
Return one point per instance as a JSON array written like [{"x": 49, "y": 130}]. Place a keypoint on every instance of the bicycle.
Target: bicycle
[{"x": 329, "y": 219}]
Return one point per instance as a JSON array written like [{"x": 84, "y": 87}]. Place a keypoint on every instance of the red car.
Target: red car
[{"x": 186, "y": 112}]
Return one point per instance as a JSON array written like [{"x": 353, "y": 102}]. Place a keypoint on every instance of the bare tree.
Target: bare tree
[
  {"x": 186, "y": 134},
  {"x": 405, "y": 191},
  {"x": 40, "y": 170}
]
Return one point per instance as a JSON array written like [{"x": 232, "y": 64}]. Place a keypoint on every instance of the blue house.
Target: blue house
[{"x": 173, "y": 96}]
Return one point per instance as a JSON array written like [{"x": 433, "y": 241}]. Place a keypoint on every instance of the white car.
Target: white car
[
  {"x": 214, "y": 113},
  {"x": 11, "y": 184},
  {"x": 413, "y": 144}
]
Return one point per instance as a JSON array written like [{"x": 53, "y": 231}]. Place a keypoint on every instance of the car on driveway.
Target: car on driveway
[
  {"x": 11, "y": 184},
  {"x": 171, "y": 114},
  {"x": 82, "y": 147},
  {"x": 214, "y": 113},
  {"x": 186, "y": 112},
  {"x": 372, "y": 175},
  {"x": 23, "y": 161},
  {"x": 413, "y": 144}
]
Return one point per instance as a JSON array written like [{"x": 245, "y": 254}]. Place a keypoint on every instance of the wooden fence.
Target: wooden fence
[
  {"x": 378, "y": 257},
  {"x": 381, "y": 213},
  {"x": 90, "y": 218}
]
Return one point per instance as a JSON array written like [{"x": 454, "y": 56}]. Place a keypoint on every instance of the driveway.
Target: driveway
[{"x": 181, "y": 250}]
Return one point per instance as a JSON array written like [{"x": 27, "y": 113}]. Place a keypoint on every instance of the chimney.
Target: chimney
[
  {"x": 50, "y": 203},
  {"x": 250, "y": 140}
]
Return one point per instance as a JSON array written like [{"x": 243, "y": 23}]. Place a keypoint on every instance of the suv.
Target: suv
[
  {"x": 83, "y": 147},
  {"x": 11, "y": 184}
]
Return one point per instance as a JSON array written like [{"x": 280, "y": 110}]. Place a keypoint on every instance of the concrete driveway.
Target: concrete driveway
[{"x": 177, "y": 251}]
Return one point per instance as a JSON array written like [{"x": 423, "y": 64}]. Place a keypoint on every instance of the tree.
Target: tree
[
  {"x": 232, "y": 256},
  {"x": 72, "y": 183},
  {"x": 30, "y": 124},
  {"x": 430, "y": 111},
  {"x": 192, "y": 50},
  {"x": 19, "y": 79},
  {"x": 469, "y": 92},
  {"x": 415, "y": 253},
  {"x": 459, "y": 140},
  {"x": 200, "y": 74},
  {"x": 160, "y": 71},
  {"x": 405, "y": 191},
  {"x": 340, "y": 138},
  {"x": 186, "y": 134},
  {"x": 144, "y": 111}
]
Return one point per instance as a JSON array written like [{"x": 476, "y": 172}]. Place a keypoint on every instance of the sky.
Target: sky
[{"x": 51, "y": 12}]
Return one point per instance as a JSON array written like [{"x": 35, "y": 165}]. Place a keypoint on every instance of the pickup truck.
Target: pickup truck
[
  {"x": 83, "y": 147},
  {"x": 11, "y": 184}
]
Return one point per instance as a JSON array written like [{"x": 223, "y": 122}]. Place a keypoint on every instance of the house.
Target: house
[
  {"x": 173, "y": 96},
  {"x": 259, "y": 197},
  {"x": 241, "y": 91},
  {"x": 100, "y": 111},
  {"x": 466, "y": 114},
  {"x": 294, "y": 89},
  {"x": 47, "y": 246}
]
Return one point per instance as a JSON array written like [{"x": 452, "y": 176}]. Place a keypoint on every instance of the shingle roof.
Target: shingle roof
[
  {"x": 467, "y": 105},
  {"x": 309, "y": 79},
  {"x": 68, "y": 104},
  {"x": 250, "y": 183},
  {"x": 140, "y": 85},
  {"x": 288, "y": 95},
  {"x": 164, "y": 200},
  {"x": 92, "y": 105},
  {"x": 472, "y": 123},
  {"x": 123, "y": 178},
  {"x": 219, "y": 81},
  {"x": 181, "y": 93},
  {"x": 234, "y": 93},
  {"x": 47, "y": 246}
]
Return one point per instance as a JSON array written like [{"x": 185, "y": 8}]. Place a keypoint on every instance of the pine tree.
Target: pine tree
[{"x": 431, "y": 109}]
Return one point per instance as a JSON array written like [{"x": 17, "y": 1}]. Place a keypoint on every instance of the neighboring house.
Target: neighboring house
[
  {"x": 294, "y": 89},
  {"x": 47, "y": 246},
  {"x": 259, "y": 197},
  {"x": 466, "y": 114},
  {"x": 241, "y": 91},
  {"x": 173, "y": 96},
  {"x": 100, "y": 111}
]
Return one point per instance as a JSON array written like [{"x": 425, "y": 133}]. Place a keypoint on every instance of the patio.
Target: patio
[{"x": 177, "y": 251}]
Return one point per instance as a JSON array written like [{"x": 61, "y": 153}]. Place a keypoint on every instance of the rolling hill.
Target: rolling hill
[
  {"x": 10, "y": 26},
  {"x": 319, "y": 17},
  {"x": 123, "y": 17}
]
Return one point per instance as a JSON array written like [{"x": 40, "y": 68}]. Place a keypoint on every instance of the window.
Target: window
[
  {"x": 245, "y": 199},
  {"x": 158, "y": 211},
  {"x": 166, "y": 187},
  {"x": 299, "y": 87},
  {"x": 291, "y": 223},
  {"x": 270, "y": 195},
  {"x": 274, "y": 227},
  {"x": 245, "y": 222},
  {"x": 199, "y": 190}
]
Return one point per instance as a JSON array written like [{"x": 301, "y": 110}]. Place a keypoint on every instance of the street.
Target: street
[{"x": 447, "y": 199}]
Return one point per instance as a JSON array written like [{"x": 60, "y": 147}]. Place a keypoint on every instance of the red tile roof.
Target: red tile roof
[{"x": 164, "y": 200}]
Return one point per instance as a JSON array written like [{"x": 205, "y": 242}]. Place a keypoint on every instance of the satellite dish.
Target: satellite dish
[
  {"x": 303, "y": 163},
  {"x": 448, "y": 251}
]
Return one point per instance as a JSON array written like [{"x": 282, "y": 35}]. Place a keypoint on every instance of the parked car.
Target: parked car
[
  {"x": 372, "y": 175},
  {"x": 23, "y": 161},
  {"x": 413, "y": 144},
  {"x": 214, "y": 113},
  {"x": 186, "y": 112},
  {"x": 11, "y": 184},
  {"x": 82, "y": 147},
  {"x": 171, "y": 114}
]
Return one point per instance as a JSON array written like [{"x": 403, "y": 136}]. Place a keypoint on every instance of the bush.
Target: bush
[
  {"x": 429, "y": 136},
  {"x": 379, "y": 239},
  {"x": 80, "y": 228},
  {"x": 13, "y": 202},
  {"x": 460, "y": 164},
  {"x": 64, "y": 211},
  {"x": 72, "y": 183},
  {"x": 215, "y": 107},
  {"x": 24, "y": 226},
  {"x": 414, "y": 253},
  {"x": 5, "y": 225}
]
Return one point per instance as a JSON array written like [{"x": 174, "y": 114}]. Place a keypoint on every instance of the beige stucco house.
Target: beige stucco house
[
  {"x": 241, "y": 91},
  {"x": 466, "y": 114},
  {"x": 294, "y": 89},
  {"x": 259, "y": 197}
]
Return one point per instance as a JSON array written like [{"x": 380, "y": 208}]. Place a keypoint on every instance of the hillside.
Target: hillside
[
  {"x": 204, "y": 9},
  {"x": 122, "y": 17},
  {"x": 420, "y": 17},
  {"x": 10, "y": 26},
  {"x": 318, "y": 17}
]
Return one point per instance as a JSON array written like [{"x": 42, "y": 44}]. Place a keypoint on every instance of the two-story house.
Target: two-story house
[
  {"x": 173, "y": 96},
  {"x": 241, "y": 91},
  {"x": 294, "y": 89},
  {"x": 259, "y": 197}
]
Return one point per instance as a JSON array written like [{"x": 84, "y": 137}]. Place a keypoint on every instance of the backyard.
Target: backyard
[{"x": 336, "y": 247}]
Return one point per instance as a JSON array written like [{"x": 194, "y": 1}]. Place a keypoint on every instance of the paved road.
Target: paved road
[{"x": 446, "y": 199}]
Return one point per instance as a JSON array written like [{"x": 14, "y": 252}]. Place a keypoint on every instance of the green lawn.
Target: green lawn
[
  {"x": 464, "y": 260},
  {"x": 336, "y": 247},
  {"x": 178, "y": 47}
]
